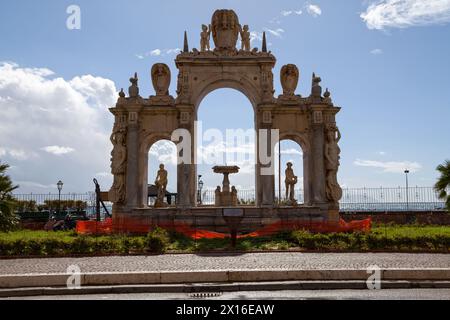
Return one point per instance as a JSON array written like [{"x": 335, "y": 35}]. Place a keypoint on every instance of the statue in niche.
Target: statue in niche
[
  {"x": 161, "y": 79},
  {"x": 133, "y": 90},
  {"x": 245, "y": 38},
  {"x": 118, "y": 163},
  {"x": 225, "y": 29},
  {"x": 290, "y": 182},
  {"x": 289, "y": 76},
  {"x": 332, "y": 152},
  {"x": 205, "y": 37},
  {"x": 161, "y": 185}
]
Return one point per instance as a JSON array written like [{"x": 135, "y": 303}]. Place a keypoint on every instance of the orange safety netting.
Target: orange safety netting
[
  {"x": 107, "y": 227},
  {"x": 94, "y": 227}
]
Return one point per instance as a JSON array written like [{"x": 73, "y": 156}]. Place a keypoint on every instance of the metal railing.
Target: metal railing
[
  {"x": 360, "y": 199},
  {"x": 391, "y": 199},
  {"x": 353, "y": 199},
  {"x": 40, "y": 201}
]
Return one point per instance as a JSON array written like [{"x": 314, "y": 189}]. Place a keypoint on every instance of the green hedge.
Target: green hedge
[
  {"x": 40, "y": 243},
  {"x": 370, "y": 241}
]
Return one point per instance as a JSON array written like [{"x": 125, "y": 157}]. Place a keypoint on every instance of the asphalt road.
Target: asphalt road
[{"x": 388, "y": 294}]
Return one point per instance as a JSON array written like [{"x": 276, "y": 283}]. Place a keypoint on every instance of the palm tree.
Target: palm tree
[
  {"x": 7, "y": 202},
  {"x": 443, "y": 184}
]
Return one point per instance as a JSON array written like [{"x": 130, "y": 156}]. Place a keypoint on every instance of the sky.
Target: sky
[{"x": 385, "y": 62}]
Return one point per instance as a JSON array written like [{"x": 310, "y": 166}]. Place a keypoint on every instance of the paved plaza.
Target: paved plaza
[{"x": 215, "y": 262}]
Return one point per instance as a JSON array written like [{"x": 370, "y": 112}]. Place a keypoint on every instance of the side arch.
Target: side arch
[
  {"x": 303, "y": 140},
  {"x": 145, "y": 144}
]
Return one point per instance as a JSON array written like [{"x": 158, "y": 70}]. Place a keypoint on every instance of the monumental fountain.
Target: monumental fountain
[{"x": 140, "y": 122}]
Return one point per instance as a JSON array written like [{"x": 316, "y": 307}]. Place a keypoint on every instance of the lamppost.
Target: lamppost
[
  {"x": 60, "y": 186},
  {"x": 407, "y": 197},
  {"x": 199, "y": 191}
]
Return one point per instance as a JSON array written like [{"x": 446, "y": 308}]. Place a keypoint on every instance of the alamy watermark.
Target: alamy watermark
[
  {"x": 73, "y": 21},
  {"x": 74, "y": 280},
  {"x": 374, "y": 280}
]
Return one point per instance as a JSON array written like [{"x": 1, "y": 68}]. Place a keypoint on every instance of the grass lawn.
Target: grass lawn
[{"x": 394, "y": 238}]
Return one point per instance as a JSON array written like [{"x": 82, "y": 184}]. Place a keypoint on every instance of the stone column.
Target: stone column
[
  {"x": 317, "y": 166},
  {"x": 143, "y": 179},
  {"x": 132, "y": 179},
  {"x": 186, "y": 172},
  {"x": 307, "y": 185},
  {"x": 265, "y": 183}
]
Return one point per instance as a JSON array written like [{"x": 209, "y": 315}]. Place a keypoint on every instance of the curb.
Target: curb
[
  {"x": 218, "y": 276},
  {"x": 215, "y": 289}
]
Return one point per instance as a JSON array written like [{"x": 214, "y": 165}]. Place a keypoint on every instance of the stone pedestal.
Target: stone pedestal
[{"x": 226, "y": 197}]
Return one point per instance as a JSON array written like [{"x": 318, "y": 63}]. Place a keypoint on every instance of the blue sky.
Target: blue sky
[{"x": 385, "y": 62}]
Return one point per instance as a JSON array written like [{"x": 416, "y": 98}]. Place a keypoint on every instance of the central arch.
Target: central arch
[
  {"x": 242, "y": 85},
  {"x": 225, "y": 135}
]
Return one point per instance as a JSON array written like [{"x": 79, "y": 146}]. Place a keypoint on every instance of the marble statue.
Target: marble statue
[
  {"x": 161, "y": 185},
  {"x": 118, "y": 163},
  {"x": 289, "y": 76},
  {"x": 161, "y": 79},
  {"x": 133, "y": 90},
  {"x": 217, "y": 194},
  {"x": 332, "y": 152},
  {"x": 205, "y": 37},
  {"x": 225, "y": 29},
  {"x": 245, "y": 38},
  {"x": 234, "y": 197},
  {"x": 290, "y": 182}
]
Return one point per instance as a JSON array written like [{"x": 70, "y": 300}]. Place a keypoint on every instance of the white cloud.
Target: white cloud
[
  {"x": 171, "y": 51},
  {"x": 17, "y": 154},
  {"x": 38, "y": 109},
  {"x": 35, "y": 185},
  {"x": 103, "y": 174},
  {"x": 382, "y": 153},
  {"x": 389, "y": 166},
  {"x": 288, "y": 151},
  {"x": 164, "y": 151},
  {"x": 255, "y": 35},
  {"x": 376, "y": 52},
  {"x": 298, "y": 12},
  {"x": 156, "y": 52},
  {"x": 314, "y": 10},
  {"x": 57, "y": 150},
  {"x": 406, "y": 13},
  {"x": 277, "y": 32},
  {"x": 286, "y": 13}
]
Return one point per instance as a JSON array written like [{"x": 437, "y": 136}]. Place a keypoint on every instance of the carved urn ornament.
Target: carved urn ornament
[
  {"x": 161, "y": 79},
  {"x": 133, "y": 90},
  {"x": 225, "y": 29},
  {"x": 289, "y": 79},
  {"x": 316, "y": 89}
]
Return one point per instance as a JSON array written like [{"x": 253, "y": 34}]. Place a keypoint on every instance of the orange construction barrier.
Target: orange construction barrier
[
  {"x": 107, "y": 227},
  {"x": 94, "y": 227}
]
